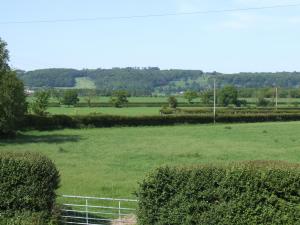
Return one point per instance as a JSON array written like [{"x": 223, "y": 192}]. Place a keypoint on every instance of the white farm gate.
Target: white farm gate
[{"x": 98, "y": 211}]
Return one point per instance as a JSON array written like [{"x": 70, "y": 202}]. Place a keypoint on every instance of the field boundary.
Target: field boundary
[{"x": 97, "y": 211}]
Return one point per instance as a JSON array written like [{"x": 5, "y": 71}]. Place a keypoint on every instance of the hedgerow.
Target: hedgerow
[
  {"x": 64, "y": 121},
  {"x": 28, "y": 183},
  {"x": 242, "y": 194}
]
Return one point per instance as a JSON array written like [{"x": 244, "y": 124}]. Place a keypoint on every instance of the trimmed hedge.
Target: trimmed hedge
[
  {"x": 252, "y": 193},
  {"x": 64, "y": 121},
  {"x": 28, "y": 183},
  {"x": 129, "y": 104},
  {"x": 30, "y": 218}
]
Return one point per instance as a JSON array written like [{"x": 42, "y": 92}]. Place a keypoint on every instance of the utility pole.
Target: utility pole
[
  {"x": 214, "y": 101},
  {"x": 276, "y": 97}
]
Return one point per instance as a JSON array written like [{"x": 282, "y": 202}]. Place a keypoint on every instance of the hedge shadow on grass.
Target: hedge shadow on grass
[{"x": 49, "y": 139}]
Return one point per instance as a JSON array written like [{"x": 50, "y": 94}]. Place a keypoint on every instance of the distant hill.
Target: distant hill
[{"x": 150, "y": 80}]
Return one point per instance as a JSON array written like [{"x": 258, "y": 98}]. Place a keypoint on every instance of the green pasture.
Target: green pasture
[
  {"x": 132, "y": 111},
  {"x": 110, "y": 162},
  {"x": 163, "y": 100}
]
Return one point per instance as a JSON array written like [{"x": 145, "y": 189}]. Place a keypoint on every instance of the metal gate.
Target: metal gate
[{"x": 98, "y": 211}]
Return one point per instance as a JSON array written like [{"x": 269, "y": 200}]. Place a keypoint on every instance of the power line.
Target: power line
[{"x": 150, "y": 15}]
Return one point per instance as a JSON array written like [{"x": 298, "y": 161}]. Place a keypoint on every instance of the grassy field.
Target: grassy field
[
  {"x": 84, "y": 83},
  {"x": 109, "y": 162},
  {"x": 133, "y": 111}
]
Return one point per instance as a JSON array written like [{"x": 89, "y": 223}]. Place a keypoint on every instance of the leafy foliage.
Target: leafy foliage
[
  {"x": 50, "y": 77},
  {"x": 12, "y": 103},
  {"x": 119, "y": 98},
  {"x": 40, "y": 104},
  {"x": 190, "y": 96},
  {"x": 241, "y": 194},
  {"x": 145, "y": 81},
  {"x": 4, "y": 56},
  {"x": 70, "y": 97},
  {"x": 173, "y": 103},
  {"x": 227, "y": 96},
  {"x": 207, "y": 97},
  {"x": 28, "y": 182},
  {"x": 64, "y": 121},
  {"x": 30, "y": 218}
]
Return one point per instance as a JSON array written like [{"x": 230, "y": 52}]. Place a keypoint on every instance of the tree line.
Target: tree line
[{"x": 146, "y": 81}]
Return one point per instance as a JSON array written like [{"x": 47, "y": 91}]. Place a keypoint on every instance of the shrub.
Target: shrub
[
  {"x": 243, "y": 194},
  {"x": 64, "y": 121},
  {"x": 28, "y": 182},
  {"x": 166, "y": 110},
  {"x": 29, "y": 218},
  {"x": 70, "y": 97},
  {"x": 173, "y": 103}
]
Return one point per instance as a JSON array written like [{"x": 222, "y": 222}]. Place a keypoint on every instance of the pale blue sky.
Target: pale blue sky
[{"x": 266, "y": 40}]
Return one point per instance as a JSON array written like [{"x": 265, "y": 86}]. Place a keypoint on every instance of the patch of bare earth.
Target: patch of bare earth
[{"x": 129, "y": 220}]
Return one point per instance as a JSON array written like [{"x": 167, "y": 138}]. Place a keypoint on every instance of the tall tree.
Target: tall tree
[
  {"x": 4, "y": 56},
  {"x": 12, "y": 96}
]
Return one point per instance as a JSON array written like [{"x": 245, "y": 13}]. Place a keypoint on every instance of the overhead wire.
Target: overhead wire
[{"x": 72, "y": 20}]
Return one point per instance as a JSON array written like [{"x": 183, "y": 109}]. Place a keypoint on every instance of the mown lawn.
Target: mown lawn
[{"x": 109, "y": 162}]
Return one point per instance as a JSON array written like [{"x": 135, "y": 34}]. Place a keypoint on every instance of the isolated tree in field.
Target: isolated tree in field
[
  {"x": 207, "y": 97},
  {"x": 190, "y": 96},
  {"x": 228, "y": 95},
  {"x": 57, "y": 94},
  {"x": 40, "y": 104},
  {"x": 12, "y": 96},
  {"x": 119, "y": 98},
  {"x": 262, "y": 102},
  {"x": 89, "y": 96},
  {"x": 173, "y": 103},
  {"x": 70, "y": 97}
]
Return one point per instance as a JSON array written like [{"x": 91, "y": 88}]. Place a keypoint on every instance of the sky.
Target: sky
[{"x": 241, "y": 41}]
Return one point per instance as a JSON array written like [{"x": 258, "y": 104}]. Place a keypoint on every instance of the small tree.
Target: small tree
[
  {"x": 41, "y": 102},
  {"x": 262, "y": 102},
  {"x": 190, "y": 96},
  {"x": 119, "y": 98},
  {"x": 90, "y": 94},
  {"x": 207, "y": 97},
  {"x": 57, "y": 94},
  {"x": 70, "y": 97},
  {"x": 173, "y": 103},
  {"x": 228, "y": 95}
]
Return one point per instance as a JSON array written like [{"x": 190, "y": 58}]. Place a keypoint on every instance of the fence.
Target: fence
[{"x": 97, "y": 211}]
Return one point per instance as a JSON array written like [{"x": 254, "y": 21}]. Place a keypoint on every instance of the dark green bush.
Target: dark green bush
[
  {"x": 251, "y": 193},
  {"x": 28, "y": 182},
  {"x": 64, "y": 121},
  {"x": 29, "y": 218}
]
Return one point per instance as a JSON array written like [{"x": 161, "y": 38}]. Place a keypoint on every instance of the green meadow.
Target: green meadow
[
  {"x": 110, "y": 162},
  {"x": 132, "y": 111}
]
